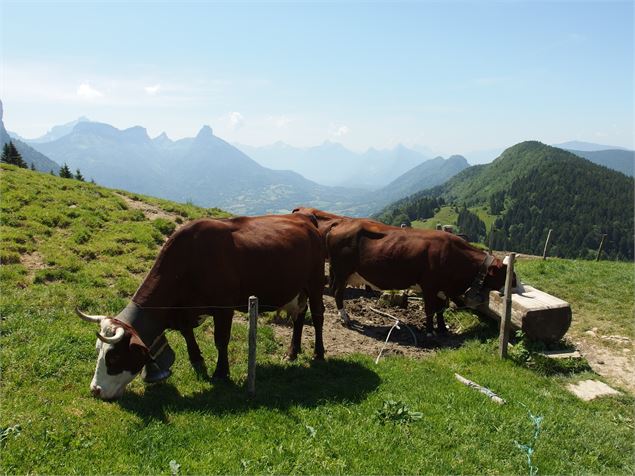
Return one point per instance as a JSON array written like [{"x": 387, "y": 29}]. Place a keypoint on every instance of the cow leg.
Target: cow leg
[
  {"x": 316, "y": 302},
  {"x": 441, "y": 327},
  {"x": 222, "y": 332},
  {"x": 339, "y": 284},
  {"x": 193, "y": 350},
  {"x": 296, "y": 339},
  {"x": 433, "y": 304}
]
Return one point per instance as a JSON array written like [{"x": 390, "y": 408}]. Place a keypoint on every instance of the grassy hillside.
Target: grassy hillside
[
  {"x": 67, "y": 244},
  {"x": 532, "y": 188}
]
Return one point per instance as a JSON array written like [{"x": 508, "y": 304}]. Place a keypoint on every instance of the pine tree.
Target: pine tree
[
  {"x": 79, "y": 176},
  {"x": 33, "y": 167},
  {"x": 65, "y": 172},
  {"x": 10, "y": 155}
]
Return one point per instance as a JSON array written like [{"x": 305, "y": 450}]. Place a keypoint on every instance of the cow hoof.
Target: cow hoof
[
  {"x": 198, "y": 364},
  {"x": 290, "y": 357},
  {"x": 220, "y": 378},
  {"x": 319, "y": 357},
  {"x": 200, "y": 369}
]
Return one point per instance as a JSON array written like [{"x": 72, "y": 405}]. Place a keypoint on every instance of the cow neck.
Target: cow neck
[{"x": 150, "y": 328}]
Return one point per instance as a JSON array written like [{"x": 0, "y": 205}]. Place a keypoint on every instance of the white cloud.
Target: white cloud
[
  {"x": 86, "y": 91},
  {"x": 338, "y": 130},
  {"x": 152, "y": 90},
  {"x": 236, "y": 120},
  {"x": 280, "y": 121}
]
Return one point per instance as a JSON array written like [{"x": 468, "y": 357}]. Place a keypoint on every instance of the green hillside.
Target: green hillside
[
  {"x": 532, "y": 188},
  {"x": 63, "y": 230}
]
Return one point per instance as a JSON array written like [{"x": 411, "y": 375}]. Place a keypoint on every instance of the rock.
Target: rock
[{"x": 590, "y": 389}]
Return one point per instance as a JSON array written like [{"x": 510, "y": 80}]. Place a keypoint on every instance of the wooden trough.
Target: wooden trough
[{"x": 539, "y": 315}]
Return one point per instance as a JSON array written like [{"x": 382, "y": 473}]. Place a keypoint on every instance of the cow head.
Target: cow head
[
  {"x": 121, "y": 356},
  {"x": 496, "y": 275}
]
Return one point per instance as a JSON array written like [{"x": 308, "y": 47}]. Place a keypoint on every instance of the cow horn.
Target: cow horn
[
  {"x": 114, "y": 339},
  {"x": 89, "y": 318}
]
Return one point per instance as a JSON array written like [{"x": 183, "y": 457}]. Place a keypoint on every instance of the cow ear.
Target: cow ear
[
  {"x": 138, "y": 349},
  {"x": 295, "y": 210}
]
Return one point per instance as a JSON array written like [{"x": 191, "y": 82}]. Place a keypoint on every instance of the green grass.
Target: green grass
[
  {"x": 318, "y": 418},
  {"x": 600, "y": 293},
  {"x": 445, "y": 216}
]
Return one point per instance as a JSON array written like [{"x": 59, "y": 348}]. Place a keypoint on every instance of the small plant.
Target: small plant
[
  {"x": 397, "y": 413},
  {"x": 14, "y": 430},
  {"x": 175, "y": 468},
  {"x": 529, "y": 448}
]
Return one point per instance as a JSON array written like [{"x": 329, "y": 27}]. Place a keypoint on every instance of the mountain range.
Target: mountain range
[
  {"x": 208, "y": 171},
  {"x": 205, "y": 170},
  {"x": 330, "y": 163}
]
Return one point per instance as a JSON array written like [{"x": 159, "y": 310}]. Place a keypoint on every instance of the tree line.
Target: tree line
[{"x": 11, "y": 156}]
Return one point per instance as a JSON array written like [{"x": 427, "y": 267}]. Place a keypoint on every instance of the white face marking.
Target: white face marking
[{"x": 110, "y": 386}]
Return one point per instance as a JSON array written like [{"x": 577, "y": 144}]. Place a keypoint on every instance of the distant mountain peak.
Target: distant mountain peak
[
  {"x": 136, "y": 133},
  {"x": 205, "y": 132},
  {"x": 457, "y": 158},
  {"x": 162, "y": 138}
]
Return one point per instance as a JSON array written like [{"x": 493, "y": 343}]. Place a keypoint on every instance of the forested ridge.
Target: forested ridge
[{"x": 532, "y": 188}]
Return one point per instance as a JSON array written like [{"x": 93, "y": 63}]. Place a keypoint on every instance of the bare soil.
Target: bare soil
[
  {"x": 32, "y": 261},
  {"x": 151, "y": 212},
  {"x": 368, "y": 330},
  {"x": 615, "y": 362}
]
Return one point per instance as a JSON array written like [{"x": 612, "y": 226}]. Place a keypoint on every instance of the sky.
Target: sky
[{"x": 451, "y": 76}]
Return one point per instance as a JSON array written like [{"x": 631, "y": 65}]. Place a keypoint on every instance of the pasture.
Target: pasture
[{"x": 66, "y": 244}]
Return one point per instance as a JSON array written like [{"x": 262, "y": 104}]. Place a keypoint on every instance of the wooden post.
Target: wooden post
[
  {"x": 507, "y": 309},
  {"x": 544, "y": 253},
  {"x": 251, "y": 364},
  {"x": 600, "y": 248},
  {"x": 491, "y": 237}
]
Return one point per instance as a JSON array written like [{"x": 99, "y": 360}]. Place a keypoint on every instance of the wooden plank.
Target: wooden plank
[
  {"x": 539, "y": 315},
  {"x": 561, "y": 354}
]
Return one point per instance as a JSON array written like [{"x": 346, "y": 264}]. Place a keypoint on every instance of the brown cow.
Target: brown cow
[
  {"x": 211, "y": 267},
  {"x": 387, "y": 257}
]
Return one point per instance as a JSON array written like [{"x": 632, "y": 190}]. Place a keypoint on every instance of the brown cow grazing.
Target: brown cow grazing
[
  {"x": 387, "y": 257},
  {"x": 211, "y": 267}
]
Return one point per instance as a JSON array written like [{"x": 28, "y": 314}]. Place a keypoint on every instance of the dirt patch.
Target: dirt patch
[
  {"x": 151, "y": 212},
  {"x": 32, "y": 261},
  {"x": 617, "y": 364},
  {"x": 368, "y": 331}
]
